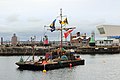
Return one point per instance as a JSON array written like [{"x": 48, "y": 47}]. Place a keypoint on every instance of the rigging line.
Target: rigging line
[
  {"x": 44, "y": 31},
  {"x": 27, "y": 58}
]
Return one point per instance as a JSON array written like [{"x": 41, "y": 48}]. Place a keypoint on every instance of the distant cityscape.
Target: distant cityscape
[{"x": 75, "y": 40}]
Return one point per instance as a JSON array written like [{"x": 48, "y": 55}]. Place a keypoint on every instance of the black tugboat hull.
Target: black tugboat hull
[{"x": 36, "y": 66}]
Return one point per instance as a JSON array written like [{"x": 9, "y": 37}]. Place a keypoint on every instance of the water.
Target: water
[{"x": 97, "y": 67}]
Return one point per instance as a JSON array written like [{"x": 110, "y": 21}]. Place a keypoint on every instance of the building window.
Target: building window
[
  {"x": 102, "y": 42},
  {"x": 101, "y": 30}
]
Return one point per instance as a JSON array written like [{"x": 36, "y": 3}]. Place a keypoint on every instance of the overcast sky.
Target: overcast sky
[{"x": 27, "y": 18}]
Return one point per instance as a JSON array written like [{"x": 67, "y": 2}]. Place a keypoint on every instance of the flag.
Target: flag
[
  {"x": 67, "y": 33},
  {"x": 64, "y": 22},
  {"x": 52, "y": 26}
]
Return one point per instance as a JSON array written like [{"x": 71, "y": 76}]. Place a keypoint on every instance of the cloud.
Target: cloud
[
  {"x": 30, "y": 16},
  {"x": 33, "y": 19},
  {"x": 12, "y": 18}
]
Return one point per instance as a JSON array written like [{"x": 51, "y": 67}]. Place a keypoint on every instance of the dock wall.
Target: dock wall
[{"x": 16, "y": 51}]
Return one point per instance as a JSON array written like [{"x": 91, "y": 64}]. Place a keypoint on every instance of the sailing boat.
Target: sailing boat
[{"x": 56, "y": 63}]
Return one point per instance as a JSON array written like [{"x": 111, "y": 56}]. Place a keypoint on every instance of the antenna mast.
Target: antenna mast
[{"x": 61, "y": 29}]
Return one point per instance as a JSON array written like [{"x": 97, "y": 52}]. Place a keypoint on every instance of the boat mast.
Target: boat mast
[{"x": 61, "y": 29}]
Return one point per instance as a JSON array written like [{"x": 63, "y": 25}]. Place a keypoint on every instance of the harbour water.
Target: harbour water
[{"x": 97, "y": 67}]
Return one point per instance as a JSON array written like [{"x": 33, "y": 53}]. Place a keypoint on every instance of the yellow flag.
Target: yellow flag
[{"x": 64, "y": 21}]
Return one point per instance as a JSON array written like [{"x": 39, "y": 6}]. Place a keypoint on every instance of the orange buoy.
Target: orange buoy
[{"x": 70, "y": 65}]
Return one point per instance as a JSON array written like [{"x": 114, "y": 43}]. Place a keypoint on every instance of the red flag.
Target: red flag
[{"x": 67, "y": 33}]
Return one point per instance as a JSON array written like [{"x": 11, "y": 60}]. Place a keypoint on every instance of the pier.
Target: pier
[
  {"x": 25, "y": 50},
  {"x": 41, "y": 50},
  {"x": 99, "y": 50}
]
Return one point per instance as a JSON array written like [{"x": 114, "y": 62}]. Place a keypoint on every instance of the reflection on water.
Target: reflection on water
[{"x": 97, "y": 67}]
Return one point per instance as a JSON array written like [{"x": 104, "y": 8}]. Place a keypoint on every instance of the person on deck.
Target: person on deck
[
  {"x": 72, "y": 52},
  {"x": 50, "y": 56},
  {"x": 77, "y": 58},
  {"x": 64, "y": 57},
  {"x": 47, "y": 56},
  {"x": 59, "y": 52},
  {"x": 44, "y": 62}
]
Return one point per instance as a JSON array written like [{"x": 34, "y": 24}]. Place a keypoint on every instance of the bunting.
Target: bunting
[
  {"x": 52, "y": 26},
  {"x": 64, "y": 21},
  {"x": 67, "y": 33}
]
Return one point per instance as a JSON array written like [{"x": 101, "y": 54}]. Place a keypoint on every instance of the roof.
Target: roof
[{"x": 109, "y": 30}]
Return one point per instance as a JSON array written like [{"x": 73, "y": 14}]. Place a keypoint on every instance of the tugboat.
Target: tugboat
[
  {"x": 61, "y": 60},
  {"x": 44, "y": 65}
]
